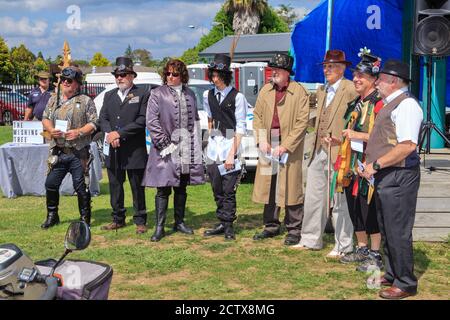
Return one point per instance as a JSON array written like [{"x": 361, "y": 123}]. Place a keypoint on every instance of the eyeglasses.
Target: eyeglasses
[
  {"x": 219, "y": 66},
  {"x": 174, "y": 74},
  {"x": 122, "y": 75},
  {"x": 68, "y": 80},
  {"x": 43, "y": 79}
]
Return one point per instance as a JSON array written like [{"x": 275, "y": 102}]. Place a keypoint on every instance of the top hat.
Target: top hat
[
  {"x": 335, "y": 56},
  {"x": 221, "y": 62},
  {"x": 282, "y": 61},
  {"x": 397, "y": 68},
  {"x": 369, "y": 63},
  {"x": 43, "y": 75},
  {"x": 124, "y": 65}
]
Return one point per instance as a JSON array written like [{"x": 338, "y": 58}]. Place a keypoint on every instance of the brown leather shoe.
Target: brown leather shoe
[
  {"x": 394, "y": 293},
  {"x": 141, "y": 228},
  {"x": 113, "y": 226},
  {"x": 384, "y": 282}
]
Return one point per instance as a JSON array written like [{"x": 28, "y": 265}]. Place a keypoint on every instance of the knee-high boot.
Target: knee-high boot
[
  {"x": 52, "y": 199},
  {"x": 84, "y": 206},
  {"x": 179, "y": 207},
  {"x": 161, "y": 204}
]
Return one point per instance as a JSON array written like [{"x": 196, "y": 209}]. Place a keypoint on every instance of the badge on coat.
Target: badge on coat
[{"x": 134, "y": 100}]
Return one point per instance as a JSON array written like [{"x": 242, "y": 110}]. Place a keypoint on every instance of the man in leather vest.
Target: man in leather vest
[
  {"x": 392, "y": 159},
  {"x": 227, "y": 111},
  {"x": 122, "y": 118}
]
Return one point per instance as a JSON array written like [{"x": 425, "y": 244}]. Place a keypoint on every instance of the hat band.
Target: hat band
[{"x": 395, "y": 74}]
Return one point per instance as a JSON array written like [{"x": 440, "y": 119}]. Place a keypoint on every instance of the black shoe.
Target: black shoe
[
  {"x": 218, "y": 229},
  {"x": 229, "y": 232},
  {"x": 265, "y": 234},
  {"x": 52, "y": 219},
  {"x": 159, "y": 234},
  {"x": 183, "y": 228},
  {"x": 291, "y": 240}
]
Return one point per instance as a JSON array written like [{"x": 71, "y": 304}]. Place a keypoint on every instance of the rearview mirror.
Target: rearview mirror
[{"x": 78, "y": 236}]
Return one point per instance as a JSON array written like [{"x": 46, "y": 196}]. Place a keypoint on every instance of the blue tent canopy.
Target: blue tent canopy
[{"x": 350, "y": 32}]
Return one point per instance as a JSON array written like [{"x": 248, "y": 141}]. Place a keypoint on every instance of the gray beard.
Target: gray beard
[{"x": 124, "y": 87}]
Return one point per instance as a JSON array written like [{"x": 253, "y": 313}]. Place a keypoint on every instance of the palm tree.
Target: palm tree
[{"x": 246, "y": 14}]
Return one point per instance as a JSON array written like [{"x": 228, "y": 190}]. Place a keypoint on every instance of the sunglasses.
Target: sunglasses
[
  {"x": 174, "y": 74},
  {"x": 68, "y": 80},
  {"x": 43, "y": 79},
  {"x": 122, "y": 75}
]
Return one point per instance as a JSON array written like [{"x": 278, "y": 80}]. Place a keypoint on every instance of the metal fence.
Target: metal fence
[{"x": 14, "y": 99}]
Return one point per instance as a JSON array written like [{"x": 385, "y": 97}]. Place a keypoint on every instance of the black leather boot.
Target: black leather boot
[
  {"x": 179, "y": 206},
  {"x": 218, "y": 229},
  {"x": 229, "y": 231},
  {"x": 84, "y": 206},
  {"x": 160, "y": 212},
  {"x": 52, "y": 200}
]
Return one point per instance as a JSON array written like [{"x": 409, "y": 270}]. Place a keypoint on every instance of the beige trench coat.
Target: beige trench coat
[{"x": 293, "y": 112}]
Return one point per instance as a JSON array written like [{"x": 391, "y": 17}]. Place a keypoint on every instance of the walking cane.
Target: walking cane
[{"x": 328, "y": 177}]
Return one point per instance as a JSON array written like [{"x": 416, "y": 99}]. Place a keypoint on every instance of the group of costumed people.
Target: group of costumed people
[{"x": 362, "y": 170}]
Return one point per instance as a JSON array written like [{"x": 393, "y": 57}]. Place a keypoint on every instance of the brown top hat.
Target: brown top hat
[{"x": 335, "y": 56}]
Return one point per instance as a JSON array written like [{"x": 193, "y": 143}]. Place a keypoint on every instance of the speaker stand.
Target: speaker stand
[{"x": 428, "y": 125}]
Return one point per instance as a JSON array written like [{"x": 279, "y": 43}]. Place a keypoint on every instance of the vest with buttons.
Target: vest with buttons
[
  {"x": 223, "y": 114},
  {"x": 383, "y": 137},
  {"x": 323, "y": 124}
]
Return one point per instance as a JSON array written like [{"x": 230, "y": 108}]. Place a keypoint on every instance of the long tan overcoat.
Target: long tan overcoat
[
  {"x": 293, "y": 112},
  {"x": 344, "y": 94}
]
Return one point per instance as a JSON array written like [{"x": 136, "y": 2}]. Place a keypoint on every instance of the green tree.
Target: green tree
[
  {"x": 99, "y": 60},
  {"x": 40, "y": 65},
  {"x": 23, "y": 61},
  {"x": 246, "y": 14},
  {"x": 81, "y": 63},
  {"x": 288, "y": 14},
  {"x": 6, "y": 66},
  {"x": 128, "y": 52},
  {"x": 142, "y": 56}
]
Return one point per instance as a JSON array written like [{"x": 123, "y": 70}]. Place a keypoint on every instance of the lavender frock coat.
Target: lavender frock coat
[{"x": 162, "y": 121}]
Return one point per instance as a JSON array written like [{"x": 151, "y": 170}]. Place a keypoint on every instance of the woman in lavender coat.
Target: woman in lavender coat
[{"x": 175, "y": 158}]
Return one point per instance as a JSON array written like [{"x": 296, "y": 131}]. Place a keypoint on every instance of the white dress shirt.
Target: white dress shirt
[
  {"x": 123, "y": 95},
  {"x": 331, "y": 91},
  {"x": 407, "y": 117},
  {"x": 219, "y": 146}
]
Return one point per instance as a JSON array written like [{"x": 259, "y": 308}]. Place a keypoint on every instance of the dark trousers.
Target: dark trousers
[
  {"x": 293, "y": 217},
  {"x": 224, "y": 189},
  {"x": 116, "y": 179},
  {"x": 67, "y": 163},
  {"x": 363, "y": 215},
  {"x": 396, "y": 199}
]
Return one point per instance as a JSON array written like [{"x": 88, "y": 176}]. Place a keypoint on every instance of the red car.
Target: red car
[{"x": 12, "y": 107}]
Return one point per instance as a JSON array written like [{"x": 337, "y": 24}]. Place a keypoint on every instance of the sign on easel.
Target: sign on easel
[{"x": 28, "y": 132}]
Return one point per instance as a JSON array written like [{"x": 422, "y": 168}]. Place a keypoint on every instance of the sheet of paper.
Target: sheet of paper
[
  {"x": 223, "y": 171},
  {"x": 281, "y": 160},
  {"x": 105, "y": 146},
  {"x": 61, "y": 125},
  {"x": 361, "y": 168},
  {"x": 357, "y": 145}
]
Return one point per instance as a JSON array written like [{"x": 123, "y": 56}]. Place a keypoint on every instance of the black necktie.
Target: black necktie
[{"x": 218, "y": 95}]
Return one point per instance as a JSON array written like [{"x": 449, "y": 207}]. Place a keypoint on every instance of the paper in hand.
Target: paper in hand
[
  {"x": 61, "y": 125},
  {"x": 223, "y": 171},
  {"x": 361, "y": 168},
  {"x": 357, "y": 145},
  {"x": 105, "y": 146}
]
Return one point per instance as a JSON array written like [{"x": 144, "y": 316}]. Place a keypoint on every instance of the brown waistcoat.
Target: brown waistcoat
[{"x": 383, "y": 137}]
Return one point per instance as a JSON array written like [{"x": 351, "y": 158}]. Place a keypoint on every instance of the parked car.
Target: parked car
[
  {"x": 12, "y": 106},
  {"x": 249, "y": 150}
]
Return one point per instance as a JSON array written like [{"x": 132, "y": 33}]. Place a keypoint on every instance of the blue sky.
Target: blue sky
[{"x": 109, "y": 26}]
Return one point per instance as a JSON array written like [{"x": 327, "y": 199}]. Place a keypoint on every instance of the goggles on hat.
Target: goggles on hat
[
  {"x": 218, "y": 66},
  {"x": 69, "y": 73}
]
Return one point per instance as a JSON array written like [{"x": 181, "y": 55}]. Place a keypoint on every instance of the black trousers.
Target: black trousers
[
  {"x": 164, "y": 192},
  {"x": 396, "y": 199},
  {"x": 67, "y": 163},
  {"x": 363, "y": 215},
  {"x": 116, "y": 179},
  {"x": 293, "y": 217},
  {"x": 224, "y": 189}
]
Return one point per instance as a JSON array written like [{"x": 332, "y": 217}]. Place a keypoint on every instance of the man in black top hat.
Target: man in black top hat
[
  {"x": 122, "y": 118},
  {"x": 227, "y": 111},
  {"x": 391, "y": 158}
]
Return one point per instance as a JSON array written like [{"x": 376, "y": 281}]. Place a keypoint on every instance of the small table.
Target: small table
[{"x": 23, "y": 170}]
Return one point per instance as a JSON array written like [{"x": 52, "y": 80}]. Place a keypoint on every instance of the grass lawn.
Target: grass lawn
[{"x": 192, "y": 267}]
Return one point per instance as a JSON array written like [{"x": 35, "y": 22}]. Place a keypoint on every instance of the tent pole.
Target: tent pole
[{"x": 329, "y": 24}]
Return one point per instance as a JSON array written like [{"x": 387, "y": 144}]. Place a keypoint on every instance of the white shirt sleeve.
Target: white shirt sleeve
[
  {"x": 408, "y": 118},
  {"x": 241, "y": 114},
  {"x": 206, "y": 104}
]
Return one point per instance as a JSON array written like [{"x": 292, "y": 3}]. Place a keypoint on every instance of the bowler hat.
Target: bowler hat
[
  {"x": 335, "y": 56},
  {"x": 396, "y": 68},
  {"x": 124, "y": 65},
  {"x": 282, "y": 61},
  {"x": 369, "y": 63},
  {"x": 221, "y": 62}
]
